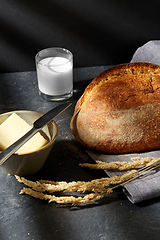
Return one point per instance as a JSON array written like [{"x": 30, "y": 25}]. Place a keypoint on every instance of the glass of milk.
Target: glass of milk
[{"x": 55, "y": 73}]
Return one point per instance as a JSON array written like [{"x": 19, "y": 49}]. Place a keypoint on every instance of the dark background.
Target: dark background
[{"x": 98, "y": 32}]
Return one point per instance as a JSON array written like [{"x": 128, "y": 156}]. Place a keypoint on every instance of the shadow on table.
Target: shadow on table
[
  {"x": 63, "y": 164},
  {"x": 79, "y": 88}
]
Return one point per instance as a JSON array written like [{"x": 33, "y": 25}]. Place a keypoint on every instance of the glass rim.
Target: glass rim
[{"x": 53, "y": 48}]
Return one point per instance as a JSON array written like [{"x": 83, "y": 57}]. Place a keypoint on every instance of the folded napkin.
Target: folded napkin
[
  {"x": 143, "y": 188},
  {"x": 146, "y": 186},
  {"x": 149, "y": 52}
]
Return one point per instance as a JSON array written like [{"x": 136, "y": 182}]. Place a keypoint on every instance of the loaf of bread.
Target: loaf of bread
[{"x": 119, "y": 111}]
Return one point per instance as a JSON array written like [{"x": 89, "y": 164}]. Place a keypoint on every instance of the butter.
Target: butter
[{"x": 13, "y": 128}]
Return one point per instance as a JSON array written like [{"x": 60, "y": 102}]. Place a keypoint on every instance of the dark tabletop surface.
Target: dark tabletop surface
[{"x": 25, "y": 218}]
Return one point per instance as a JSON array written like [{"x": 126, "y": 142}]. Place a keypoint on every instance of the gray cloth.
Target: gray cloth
[
  {"x": 149, "y": 52},
  {"x": 143, "y": 188}
]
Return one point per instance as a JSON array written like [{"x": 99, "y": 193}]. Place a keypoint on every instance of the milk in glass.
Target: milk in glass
[{"x": 55, "y": 75}]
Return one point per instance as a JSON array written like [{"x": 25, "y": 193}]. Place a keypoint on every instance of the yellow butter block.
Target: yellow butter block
[{"x": 13, "y": 128}]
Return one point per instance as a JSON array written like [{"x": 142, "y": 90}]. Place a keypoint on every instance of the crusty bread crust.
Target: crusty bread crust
[{"x": 119, "y": 111}]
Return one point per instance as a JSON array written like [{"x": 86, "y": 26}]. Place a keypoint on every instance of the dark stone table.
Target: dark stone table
[{"x": 25, "y": 218}]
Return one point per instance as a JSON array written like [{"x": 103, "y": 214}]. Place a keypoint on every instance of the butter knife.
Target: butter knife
[{"x": 37, "y": 126}]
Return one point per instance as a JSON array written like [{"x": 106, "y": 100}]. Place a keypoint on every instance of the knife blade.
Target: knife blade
[{"x": 37, "y": 126}]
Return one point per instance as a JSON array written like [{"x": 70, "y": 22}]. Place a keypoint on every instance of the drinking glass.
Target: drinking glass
[{"x": 55, "y": 73}]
